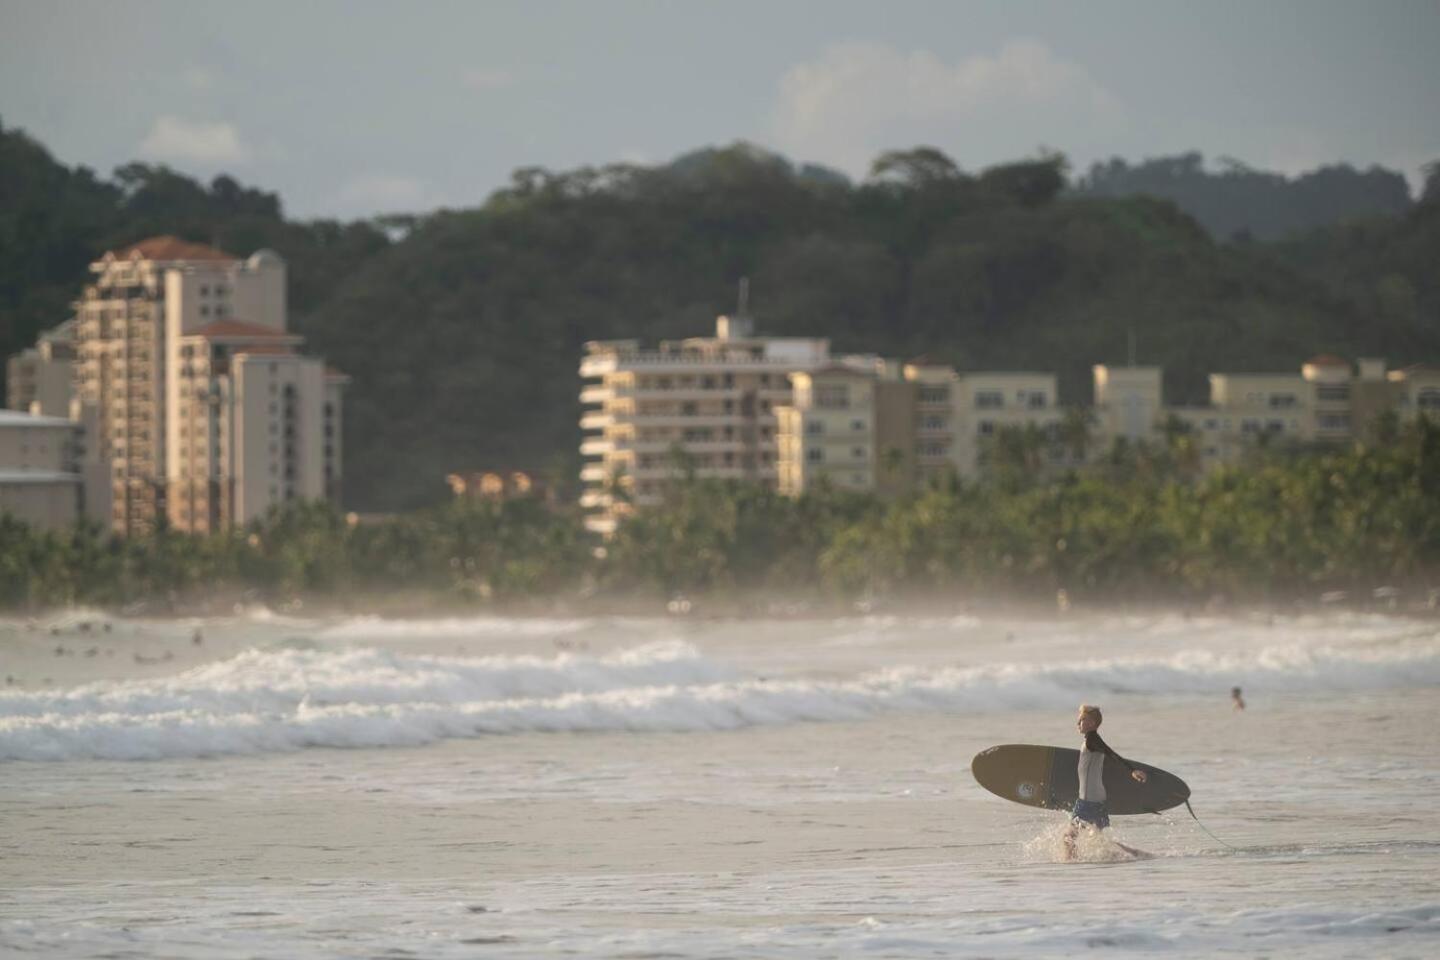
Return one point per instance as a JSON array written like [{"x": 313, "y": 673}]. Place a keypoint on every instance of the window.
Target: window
[
  {"x": 1282, "y": 401},
  {"x": 832, "y": 396},
  {"x": 932, "y": 422},
  {"x": 1275, "y": 426},
  {"x": 814, "y": 428},
  {"x": 986, "y": 428},
  {"x": 1331, "y": 392},
  {"x": 814, "y": 455},
  {"x": 1036, "y": 400},
  {"x": 1429, "y": 399},
  {"x": 933, "y": 394},
  {"x": 1333, "y": 421},
  {"x": 857, "y": 424},
  {"x": 857, "y": 453},
  {"x": 989, "y": 399},
  {"x": 1249, "y": 426}
]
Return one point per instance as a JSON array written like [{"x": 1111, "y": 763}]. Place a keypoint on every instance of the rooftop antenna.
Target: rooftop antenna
[
  {"x": 744, "y": 305},
  {"x": 1130, "y": 343}
]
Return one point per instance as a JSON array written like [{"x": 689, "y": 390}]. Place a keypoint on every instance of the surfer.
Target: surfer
[
  {"x": 1238, "y": 698},
  {"x": 1090, "y": 809}
]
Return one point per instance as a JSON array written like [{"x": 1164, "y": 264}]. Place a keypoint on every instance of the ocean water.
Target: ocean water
[{"x": 280, "y": 786}]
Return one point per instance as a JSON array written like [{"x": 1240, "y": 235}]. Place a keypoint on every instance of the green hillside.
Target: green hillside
[{"x": 462, "y": 329}]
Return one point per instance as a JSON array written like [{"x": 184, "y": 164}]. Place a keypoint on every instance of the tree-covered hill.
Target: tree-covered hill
[
  {"x": 1240, "y": 201},
  {"x": 464, "y": 332}
]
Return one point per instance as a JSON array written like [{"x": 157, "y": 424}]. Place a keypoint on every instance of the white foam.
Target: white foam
[
  {"x": 378, "y": 628},
  {"x": 288, "y": 699}
]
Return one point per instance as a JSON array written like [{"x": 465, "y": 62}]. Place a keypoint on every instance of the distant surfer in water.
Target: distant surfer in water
[
  {"x": 1090, "y": 810},
  {"x": 1238, "y": 697}
]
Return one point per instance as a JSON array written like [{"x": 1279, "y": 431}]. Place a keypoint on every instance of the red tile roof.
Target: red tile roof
[
  {"x": 240, "y": 330},
  {"x": 170, "y": 248}
]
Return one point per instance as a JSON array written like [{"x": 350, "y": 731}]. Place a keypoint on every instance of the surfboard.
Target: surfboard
[{"x": 1046, "y": 777}]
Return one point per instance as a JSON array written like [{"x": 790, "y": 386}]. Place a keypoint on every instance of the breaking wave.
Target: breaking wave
[{"x": 289, "y": 699}]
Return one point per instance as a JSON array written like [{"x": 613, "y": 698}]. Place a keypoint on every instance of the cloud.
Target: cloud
[
  {"x": 482, "y": 80},
  {"x": 184, "y": 141},
  {"x": 381, "y": 193},
  {"x": 859, "y": 99},
  {"x": 201, "y": 79}
]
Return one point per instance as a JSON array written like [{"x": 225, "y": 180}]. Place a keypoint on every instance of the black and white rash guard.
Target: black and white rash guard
[{"x": 1092, "y": 767}]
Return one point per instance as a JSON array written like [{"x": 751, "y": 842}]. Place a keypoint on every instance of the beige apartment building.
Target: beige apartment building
[
  {"x": 39, "y": 478},
  {"x": 254, "y": 425},
  {"x": 916, "y": 423},
  {"x": 185, "y": 382},
  {"x": 1327, "y": 401},
  {"x": 827, "y": 432},
  {"x": 709, "y": 400},
  {"x": 988, "y": 403},
  {"x": 40, "y": 379}
]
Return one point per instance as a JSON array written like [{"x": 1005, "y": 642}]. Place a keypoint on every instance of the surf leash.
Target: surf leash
[{"x": 1207, "y": 829}]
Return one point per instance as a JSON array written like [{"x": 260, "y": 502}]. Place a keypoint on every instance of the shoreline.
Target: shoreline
[{"x": 415, "y": 605}]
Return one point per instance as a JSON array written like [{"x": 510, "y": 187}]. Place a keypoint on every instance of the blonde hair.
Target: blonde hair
[{"x": 1092, "y": 711}]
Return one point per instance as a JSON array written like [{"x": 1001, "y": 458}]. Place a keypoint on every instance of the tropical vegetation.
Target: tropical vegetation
[{"x": 1138, "y": 524}]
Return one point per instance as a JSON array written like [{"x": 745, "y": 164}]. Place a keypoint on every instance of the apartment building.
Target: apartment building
[
  {"x": 893, "y": 428},
  {"x": 827, "y": 432},
  {"x": 185, "y": 381},
  {"x": 253, "y": 425},
  {"x": 39, "y": 478},
  {"x": 1328, "y": 400},
  {"x": 39, "y": 380},
  {"x": 1416, "y": 391},
  {"x": 988, "y": 403},
  {"x": 703, "y": 404}
]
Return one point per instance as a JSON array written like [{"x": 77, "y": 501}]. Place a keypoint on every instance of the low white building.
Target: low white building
[{"x": 39, "y": 481}]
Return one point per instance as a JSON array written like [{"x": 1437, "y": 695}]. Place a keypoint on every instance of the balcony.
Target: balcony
[
  {"x": 597, "y": 447},
  {"x": 596, "y": 498}
]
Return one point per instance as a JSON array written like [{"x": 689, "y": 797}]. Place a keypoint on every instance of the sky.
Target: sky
[{"x": 363, "y": 107}]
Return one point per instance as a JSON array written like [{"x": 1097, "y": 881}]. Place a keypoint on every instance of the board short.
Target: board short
[{"x": 1090, "y": 812}]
